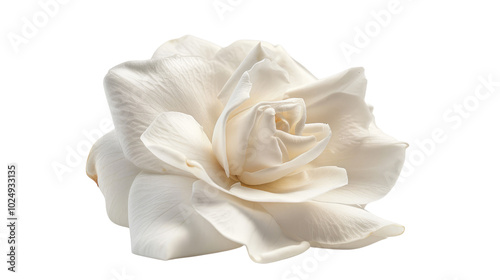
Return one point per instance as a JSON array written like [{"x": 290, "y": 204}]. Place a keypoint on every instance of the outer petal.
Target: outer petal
[
  {"x": 138, "y": 91},
  {"x": 242, "y": 55},
  {"x": 164, "y": 225},
  {"x": 246, "y": 223},
  {"x": 187, "y": 46},
  {"x": 339, "y": 102},
  {"x": 330, "y": 225},
  {"x": 373, "y": 168},
  {"x": 372, "y": 159},
  {"x": 114, "y": 174}
]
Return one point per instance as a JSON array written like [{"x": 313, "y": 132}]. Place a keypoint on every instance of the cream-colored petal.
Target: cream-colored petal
[
  {"x": 338, "y": 101},
  {"x": 164, "y": 225},
  {"x": 252, "y": 142},
  {"x": 245, "y": 223},
  {"x": 187, "y": 46},
  {"x": 273, "y": 173},
  {"x": 264, "y": 81},
  {"x": 242, "y": 55},
  {"x": 351, "y": 81},
  {"x": 372, "y": 167},
  {"x": 178, "y": 140},
  {"x": 299, "y": 187},
  {"x": 331, "y": 225},
  {"x": 182, "y": 135},
  {"x": 299, "y": 144},
  {"x": 255, "y": 56},
  {"x": 372, "y": 159},
  {"x": 114, "y": 174},
  {"x": 263, "y": 149},
  {"x": 139, "y": 91},
  {"x": 181, "y": 157}
]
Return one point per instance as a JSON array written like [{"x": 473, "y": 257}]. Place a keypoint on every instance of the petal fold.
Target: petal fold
[
  {"x": 139, "y": 91},
  {"x": 331, "y": 225},
  {"x": 339, "y": 102},
  {"x": 177, "y": 139},
  {"x": 276, "y": 172},
  {"x": 298, "y": 187},
  {"x": 242, "y": 55},
  {"x": 114, "y": 174},
  {"x": 373, "y": 167},
  {"x": 164, "y": 225},
  {"x": 264, "y": 81},
  {"x": 245, "y": 223}
]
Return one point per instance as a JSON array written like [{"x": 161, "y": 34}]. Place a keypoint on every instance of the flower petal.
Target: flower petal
[
  {"x": 245, "y": 223},
  {"x": 178, "y": 140},
  {"x": 174, "y": 135},
  {"x": 273, "y": 173},
  {"x": 263, "y": 150},
  {"x": 264, "y": 81},
  {"x": 373, "y": 168},
  {"x": 176, "y": 155},
  {"x": 331, "y": 225},
  {"x": 242, "y": 55},
  {"x": 372, "y": 159},
  {"x": 298, "y": 187},
  {"x": 140, "y": 90},
  {"x": 351, "y": 81},
  {"x": 114, "y": 175},
  {"x": 338, "y": 101},
  {"x": 251, "y": 143},
  {"x": 187, "y": 46},
  {"x": 164, "y": 225}
]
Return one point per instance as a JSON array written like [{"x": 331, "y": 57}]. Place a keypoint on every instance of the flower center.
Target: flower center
[{"x": 281, "y": 124}]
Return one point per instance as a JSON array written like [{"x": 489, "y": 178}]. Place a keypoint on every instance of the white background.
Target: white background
[{"x": 424, "y": 63}]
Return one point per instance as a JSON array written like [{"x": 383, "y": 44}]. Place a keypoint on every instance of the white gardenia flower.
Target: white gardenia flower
[{"x": 215, "y": 148}]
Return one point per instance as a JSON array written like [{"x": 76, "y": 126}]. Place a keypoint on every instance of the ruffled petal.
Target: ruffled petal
[
  {"x": 139, "y": 91},
  {"x": 338, "y": 101},
  {"x": 178, "y": 140},
  {"x": 263, "y": 149},
  {"x": 242, "y": 55},
  {"x": 177, "y": 135},
  {"x": 351, "y": 81},
  {"x": 372, "y": 159},
  {"x": 265, "y": 81},
  {"x": 251, "y": 135},
  {"x": 273, "y": 173},
  {"x": 245, "y": 223},
  {"x": 331, "y": 225},
  {"x": 114, "y": 174},
  {"x": 187, "y": 46},
  {"x": 373, "y": 168},
  {"x": 164, "y": 225}
]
